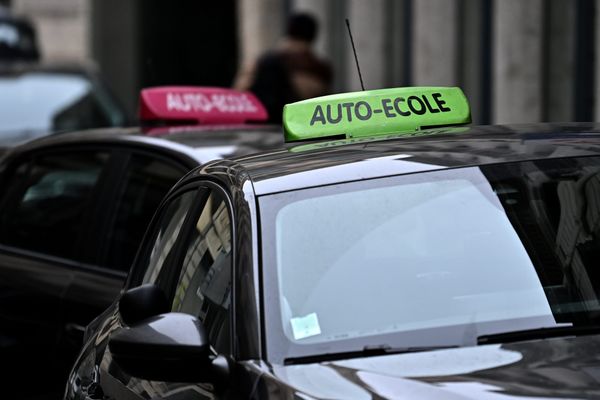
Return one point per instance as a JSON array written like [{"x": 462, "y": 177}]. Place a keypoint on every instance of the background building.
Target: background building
[{"x": 518, "y": 61}]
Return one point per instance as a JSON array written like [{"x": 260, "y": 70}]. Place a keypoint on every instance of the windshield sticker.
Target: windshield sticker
[{"x": 306, "y": 326}]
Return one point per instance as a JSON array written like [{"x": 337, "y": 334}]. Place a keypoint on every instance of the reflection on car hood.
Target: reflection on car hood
[{"x": 566, "y": 368}]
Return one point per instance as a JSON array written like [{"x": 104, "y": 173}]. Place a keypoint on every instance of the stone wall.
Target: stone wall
[
  {"x": 63, "y": 27},
  {"x": 517, "y": 61}
]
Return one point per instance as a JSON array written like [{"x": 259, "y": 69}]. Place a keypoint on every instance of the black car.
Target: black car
[
  {"x": 446, "y": 263},
  {"x": 73, "y": 210}
]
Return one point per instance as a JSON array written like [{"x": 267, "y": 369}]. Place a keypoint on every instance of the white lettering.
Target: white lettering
[
  {"x": 247, "y": 105},
  {"x": 174, "y": 102},
  {"x": 218, "y": 101},
  {"x": 197, "y": 102},
  {"x": 225, "y": 103}
]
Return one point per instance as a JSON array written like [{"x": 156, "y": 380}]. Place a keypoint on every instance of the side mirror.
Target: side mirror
[
  {"x": 169, "y": 347},
  {"x": 142, "y": 302}
]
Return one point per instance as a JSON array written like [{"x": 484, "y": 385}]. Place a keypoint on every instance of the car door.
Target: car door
[
  {"x": 71, "y": 220},
  {"x": 45, "y": 209},
  {"x": 195, "y": 272},
  {"x": 139, "y": 182}
]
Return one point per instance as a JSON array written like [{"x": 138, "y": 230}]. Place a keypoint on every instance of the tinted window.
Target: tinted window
[
  {"x": 48, "y": 209},
  {"x": 164, "y": 239},
  {"x": 146, "y": 182},
  {"x": 554, "y": 206},
  {"x": 204, "y": 285}
]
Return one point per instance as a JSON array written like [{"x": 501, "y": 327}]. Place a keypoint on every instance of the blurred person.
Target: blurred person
[{"x": 291, "y": 71}]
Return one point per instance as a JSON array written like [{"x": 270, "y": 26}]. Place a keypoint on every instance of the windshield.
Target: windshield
[
  {"x": 431, "y": 259},
  {"x": 36, "y": 104}
]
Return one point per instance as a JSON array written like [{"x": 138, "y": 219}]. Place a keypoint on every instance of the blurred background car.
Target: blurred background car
[
  {"x": 39, "y": 98},
  {"x": 36, "y": 100},
  {"x": 73, "y": 210}
]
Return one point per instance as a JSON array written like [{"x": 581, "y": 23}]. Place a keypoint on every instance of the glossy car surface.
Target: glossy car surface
[
  {"x": 73, "y": 209},
  {"x": 455, "y": 264}
]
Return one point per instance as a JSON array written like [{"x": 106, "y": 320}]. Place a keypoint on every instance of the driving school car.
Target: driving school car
[
  {"x": 383, "y": 260},
  {"x": 74, "y": 207}
]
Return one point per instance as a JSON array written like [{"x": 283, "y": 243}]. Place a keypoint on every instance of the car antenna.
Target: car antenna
[{"x": 362, "y": 85}]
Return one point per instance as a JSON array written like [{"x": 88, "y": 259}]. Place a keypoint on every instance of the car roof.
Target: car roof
[
  {"x": 192, "y": 144},
  {"x": 324, "y": 163}
]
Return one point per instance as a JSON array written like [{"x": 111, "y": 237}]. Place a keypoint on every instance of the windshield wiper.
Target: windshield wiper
[
  {"x": 367, "y": 351},
  {"x": 539, "y": 333}
]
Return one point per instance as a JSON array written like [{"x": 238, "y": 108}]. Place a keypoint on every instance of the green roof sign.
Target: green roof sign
[{"x": 375, "y": 112}]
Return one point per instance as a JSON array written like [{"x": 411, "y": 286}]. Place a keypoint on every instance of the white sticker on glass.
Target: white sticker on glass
[{"x": 306, "y": 326}]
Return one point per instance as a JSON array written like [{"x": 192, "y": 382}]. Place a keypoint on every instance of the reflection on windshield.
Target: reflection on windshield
[
  {"x": 451, "y": 254},
  {"x": 555, "y": 207},
  {"x": 402, "y": 257}
]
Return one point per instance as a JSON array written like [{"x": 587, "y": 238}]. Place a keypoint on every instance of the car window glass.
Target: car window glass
[
  {"x": 410, "y": 244},
  {"x": 204, "y": 285},
  {"x": 165, "y": 236},
  {"x": 146, "y": 182},
  {"x": 47, "y": 210},
  {"x": 346, "y": 264}
]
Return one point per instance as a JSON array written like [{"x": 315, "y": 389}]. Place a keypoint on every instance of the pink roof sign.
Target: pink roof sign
[{"x": 203, "y": 105}]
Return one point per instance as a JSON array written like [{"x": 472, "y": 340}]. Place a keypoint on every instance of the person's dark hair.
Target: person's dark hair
[{"x": 302, "y": 26}]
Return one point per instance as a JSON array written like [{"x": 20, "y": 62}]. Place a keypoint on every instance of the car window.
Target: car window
[
  {"x": 390, "y": 260},
  {"x": 146, "y": 182},
  {"x": 204, "y": 284},
  {"x": 432, "y": 259},
  {"x": 410, "y": 244},
  {"x": 47, "y": 209},
  {"x": 164, "y": 238}
]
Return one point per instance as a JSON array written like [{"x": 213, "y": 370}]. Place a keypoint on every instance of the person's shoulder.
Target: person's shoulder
[
  {"x": 272, "y": 54},
  {"x": 324, "y": 66},
  {"x": 325, "y": 63},
  {"x": 270, "y": 58}
]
